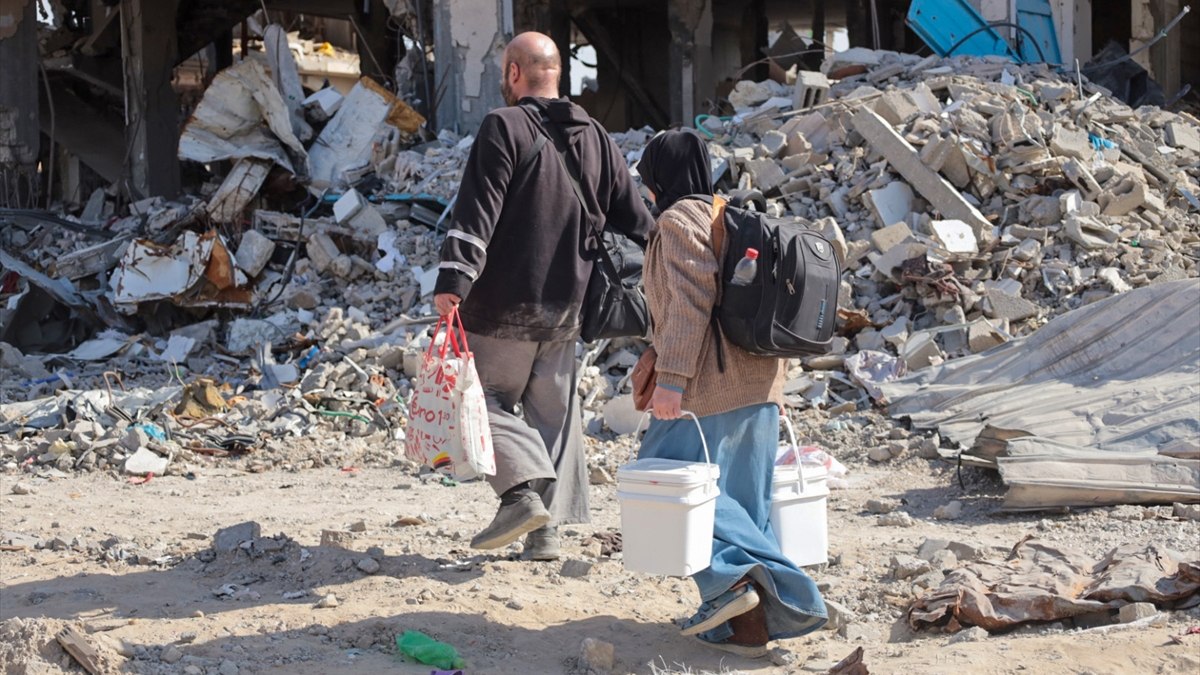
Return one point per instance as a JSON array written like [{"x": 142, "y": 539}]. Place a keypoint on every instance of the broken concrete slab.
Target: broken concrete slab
[
  {"x": 904, "y": 159},
  {"x": 145, "y": 462},
  {"x": 765, "y": 174},
  {"x": 944, "y": 155},
  {"x": 1071, "y": 142},
  {"x": 921, "y": 351},
  {"x": 999, "y": 305},
  {"x": 1127, "y": 194},
  {"x": 254, "y": 252},
  {"x": 897, "y": 107},
  {"x": 955, "y": 236},
  {"x": 885, "y": 239},
  {"x": 890, "y": 204},
  {"x": 230, "y": 538},
  {"x": 1089, "y": 232},
  {"x": 1182, "y": 135}
]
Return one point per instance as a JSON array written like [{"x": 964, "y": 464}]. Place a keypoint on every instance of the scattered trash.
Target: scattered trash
[
  {"x": 424, "y": 649},
  {"x": 1040, "y": 582}
]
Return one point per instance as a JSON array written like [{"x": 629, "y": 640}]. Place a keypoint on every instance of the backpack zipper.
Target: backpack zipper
[{"x": 775, "y": 256}]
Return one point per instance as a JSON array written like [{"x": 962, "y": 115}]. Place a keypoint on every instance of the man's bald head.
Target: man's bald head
[{"x": 532, "y": 67}]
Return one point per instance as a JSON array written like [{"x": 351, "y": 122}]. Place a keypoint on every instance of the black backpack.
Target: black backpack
[{"x": 790, "y": 309}]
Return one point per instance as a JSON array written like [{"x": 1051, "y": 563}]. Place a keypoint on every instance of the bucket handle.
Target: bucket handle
[
  {"x": 787, "y": 424},
  {"x": 703, "y": 443}
]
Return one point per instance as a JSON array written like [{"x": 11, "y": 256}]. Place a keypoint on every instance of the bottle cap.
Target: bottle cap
[{"x": 752, "y": 253}]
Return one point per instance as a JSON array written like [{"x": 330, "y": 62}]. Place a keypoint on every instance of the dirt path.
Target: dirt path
[{"x": 504, "y": 615}]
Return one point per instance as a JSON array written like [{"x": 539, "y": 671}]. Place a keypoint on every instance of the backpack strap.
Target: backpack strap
[{"x": 718, "y": 242}]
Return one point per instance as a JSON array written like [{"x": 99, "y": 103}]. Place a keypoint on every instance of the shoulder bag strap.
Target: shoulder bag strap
[{"x": 565, "y": 160}]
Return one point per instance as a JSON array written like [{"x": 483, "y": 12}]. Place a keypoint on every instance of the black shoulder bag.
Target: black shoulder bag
[{"x": 614, "y": 304}]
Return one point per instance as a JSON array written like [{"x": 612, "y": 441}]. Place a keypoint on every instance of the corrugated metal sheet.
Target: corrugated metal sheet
[{"x": 1119, "y": 376}]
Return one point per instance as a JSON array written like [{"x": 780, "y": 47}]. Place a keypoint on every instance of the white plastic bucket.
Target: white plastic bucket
[
  {"x": 798, "y": 509},
  {"x": 667, "y": 512}
]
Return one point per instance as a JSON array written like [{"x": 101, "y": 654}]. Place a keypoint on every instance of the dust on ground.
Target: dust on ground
[{"x": 347, "y": 558}]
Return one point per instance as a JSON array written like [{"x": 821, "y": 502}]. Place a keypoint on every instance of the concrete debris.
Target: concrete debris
[
  {"x": 596, "y": 657},
  {"x": 967, "y": 200}
]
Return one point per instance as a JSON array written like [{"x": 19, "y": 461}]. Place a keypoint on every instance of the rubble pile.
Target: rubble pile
[{"x": 971, "y": 199}]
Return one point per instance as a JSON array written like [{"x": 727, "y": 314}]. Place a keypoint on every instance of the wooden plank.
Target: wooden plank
[{"x": 80, "y": 648}]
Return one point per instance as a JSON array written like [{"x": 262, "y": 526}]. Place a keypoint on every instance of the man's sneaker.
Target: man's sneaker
[
  {"x": 542, "y": 544},
  {"x": 737, "y": 600},
  {"x": 522, "y": 515}
]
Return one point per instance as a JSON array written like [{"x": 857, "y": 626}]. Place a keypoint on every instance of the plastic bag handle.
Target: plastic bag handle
[
  {"x": 437, "y": 328},
  {"x": 452, "y": 340},
  {"x": 787, "y": 424},
  {"x": 703, "y": 443},
  {"x": 461, "y": 346}
]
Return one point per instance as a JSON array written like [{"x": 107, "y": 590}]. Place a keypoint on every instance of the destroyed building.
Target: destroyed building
[
  {"x": 238, "y": 216},
  {"x": 219, "y": 232}
]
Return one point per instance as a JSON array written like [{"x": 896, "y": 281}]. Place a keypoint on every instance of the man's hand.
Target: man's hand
[
  {"x": 445, "y": 303},
  {"x": 666, "y": 404}
]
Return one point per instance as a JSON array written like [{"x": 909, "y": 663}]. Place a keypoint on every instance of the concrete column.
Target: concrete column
[
  {"x": 149, "y": 52},
  {"x": 1165, "y": 54},
  {"x": 1081, "y": 37},
  {"x": 18, "y": 87},
  {"x": 691, "y": 72},
  {"x": 469, "y": 39},
  {"x": 1141, "y": 31}
]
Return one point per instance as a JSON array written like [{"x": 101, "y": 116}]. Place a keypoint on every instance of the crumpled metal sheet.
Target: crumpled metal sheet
[
  {"x": 1039, "y": 582},
  {"x": 228, "y": 123},
  {"x": 196, "y": 271},
  {"x": 1118, "y": 376},
  {"x": 345, "y": 144},
  {"x": 149, "y": 271}
]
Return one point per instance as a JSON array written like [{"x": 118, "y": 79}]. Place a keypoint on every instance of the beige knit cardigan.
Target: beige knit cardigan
[{"x": 681, "y": 290}]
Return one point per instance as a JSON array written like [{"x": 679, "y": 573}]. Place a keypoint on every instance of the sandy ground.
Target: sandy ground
[{"x": 503, "y": 614}]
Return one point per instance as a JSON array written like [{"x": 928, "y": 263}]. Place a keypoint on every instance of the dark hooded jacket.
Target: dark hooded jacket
[{"x": 518, "y": 249}]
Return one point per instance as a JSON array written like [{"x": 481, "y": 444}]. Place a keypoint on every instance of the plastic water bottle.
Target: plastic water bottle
[{"x": 747, "y": 268}]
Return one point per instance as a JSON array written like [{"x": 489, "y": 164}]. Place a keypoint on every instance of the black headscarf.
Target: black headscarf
[{"x": 674, "y": 165}]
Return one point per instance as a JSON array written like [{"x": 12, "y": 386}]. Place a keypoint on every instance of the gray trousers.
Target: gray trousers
[{"x": 543, "y": 441}]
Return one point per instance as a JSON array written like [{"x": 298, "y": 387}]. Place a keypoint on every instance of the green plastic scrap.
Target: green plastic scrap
[{"x": 416, "y": 645}]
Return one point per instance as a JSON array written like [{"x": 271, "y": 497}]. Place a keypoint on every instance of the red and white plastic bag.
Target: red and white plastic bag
[{"x": 447, "y": 414}]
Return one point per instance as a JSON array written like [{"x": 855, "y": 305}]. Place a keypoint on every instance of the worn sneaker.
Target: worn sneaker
[
  {"x": 542, "y": 544},
  {"x": 744, "y": 651},
  {"x": 737, "y": 600},
  {"x": 523, "y": 514},
  {"x": 750, "y": 629}
]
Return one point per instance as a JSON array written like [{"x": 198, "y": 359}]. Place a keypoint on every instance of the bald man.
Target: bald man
[{"x": 517, "y": 257}]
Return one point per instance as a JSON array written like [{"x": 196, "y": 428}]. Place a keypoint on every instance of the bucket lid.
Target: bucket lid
[
  {"x": 668, "y": 472},
  {"x": 786, "y": 473}
]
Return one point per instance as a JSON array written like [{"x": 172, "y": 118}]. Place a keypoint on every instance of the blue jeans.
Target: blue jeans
[{"x": 743, "y": 443}]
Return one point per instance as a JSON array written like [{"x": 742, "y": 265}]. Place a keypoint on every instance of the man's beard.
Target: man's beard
[{"x": 506, "y": 92}]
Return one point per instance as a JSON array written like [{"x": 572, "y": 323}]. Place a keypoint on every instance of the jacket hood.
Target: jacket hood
[{"x": 569, "y": 117}]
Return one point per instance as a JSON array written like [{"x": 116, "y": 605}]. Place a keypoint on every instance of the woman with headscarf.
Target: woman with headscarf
[{"x": 751, "y": 594}]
